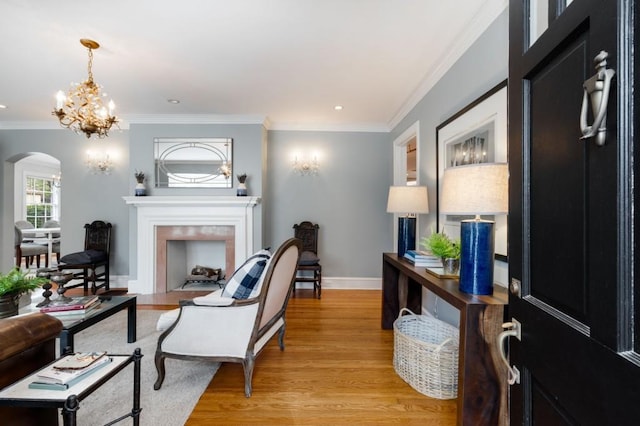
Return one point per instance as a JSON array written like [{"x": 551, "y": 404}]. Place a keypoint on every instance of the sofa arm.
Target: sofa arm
[{"x": 20, "y": 333}]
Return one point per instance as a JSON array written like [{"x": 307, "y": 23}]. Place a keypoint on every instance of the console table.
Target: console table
[{"x": 482, "y": 377}]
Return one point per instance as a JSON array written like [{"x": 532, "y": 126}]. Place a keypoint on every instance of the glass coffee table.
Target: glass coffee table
[{"x": 109, "y": 305}]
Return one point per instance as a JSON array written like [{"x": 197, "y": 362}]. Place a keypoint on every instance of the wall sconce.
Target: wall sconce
[
  {"x": 99, "y": 163},
  {"x": 306, "y": 167}
]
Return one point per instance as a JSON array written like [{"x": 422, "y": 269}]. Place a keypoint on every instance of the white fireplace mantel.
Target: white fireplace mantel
[
  {"x": 154, "y": 211},
  {"x": 183, "y": 200}
]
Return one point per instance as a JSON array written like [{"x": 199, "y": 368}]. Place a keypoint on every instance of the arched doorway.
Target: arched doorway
[{"x": 37, "y": 199}]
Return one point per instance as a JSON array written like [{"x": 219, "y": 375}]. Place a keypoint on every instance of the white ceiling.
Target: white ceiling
[{"x": 282, "y": 62}]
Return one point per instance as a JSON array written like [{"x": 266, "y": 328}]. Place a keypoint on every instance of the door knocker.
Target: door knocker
[{"x": 596, "y": 89}]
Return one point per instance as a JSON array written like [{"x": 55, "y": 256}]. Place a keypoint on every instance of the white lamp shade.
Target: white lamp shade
[
  {"x": 475, "y": 189},
  {"x": 408, "y": 199}
]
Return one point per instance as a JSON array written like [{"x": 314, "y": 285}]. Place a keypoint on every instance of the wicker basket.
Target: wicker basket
[{"x": 426, "y": 354}]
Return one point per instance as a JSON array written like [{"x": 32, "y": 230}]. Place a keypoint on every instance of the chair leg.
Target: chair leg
[
  {"x": 281, "y": 337},
  {"x": 106, "y": 277},
  {"x": 318, "y": 281},
  {"x": 159, "y": 360},
  {"x": 247, "y": 365}
]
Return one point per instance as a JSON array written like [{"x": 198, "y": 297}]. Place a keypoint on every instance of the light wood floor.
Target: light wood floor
[{"x": 336, "y": 369}]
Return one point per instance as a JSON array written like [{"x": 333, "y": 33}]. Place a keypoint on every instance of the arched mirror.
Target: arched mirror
[{"x": 193, "y": 162}]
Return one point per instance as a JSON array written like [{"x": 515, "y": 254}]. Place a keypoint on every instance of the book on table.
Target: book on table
[
  {"x": 69, "y": 370},
  {"x": 73, "y": 304},
  {"x": 420, "y": 258},
  {"x": 74, "y": 313}
]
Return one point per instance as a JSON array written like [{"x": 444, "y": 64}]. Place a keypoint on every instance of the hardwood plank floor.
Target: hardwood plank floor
[{"x": 336, "y": 369}]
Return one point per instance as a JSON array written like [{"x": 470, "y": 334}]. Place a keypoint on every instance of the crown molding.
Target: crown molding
[
  {"x": 31, "y": 125},
  {"x": 194, "y": 119},
  {"x": 488, "y": 13},
  {"x": 126, "y": 121},
  {"x": 319, "y": 127}
]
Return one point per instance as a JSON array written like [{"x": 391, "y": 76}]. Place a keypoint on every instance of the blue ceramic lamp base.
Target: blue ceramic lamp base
[
  {"x": 406, "y": 234},
  {"x": 477, "y": 241}
]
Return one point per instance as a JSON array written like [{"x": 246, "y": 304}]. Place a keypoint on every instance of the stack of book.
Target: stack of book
[
  {"x": 74, "y": 307},
  {"x": 423, "y": 259},
  {"x": 69, "y": 370}
]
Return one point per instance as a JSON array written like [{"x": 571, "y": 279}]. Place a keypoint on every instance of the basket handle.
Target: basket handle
[
  {"x": 445, "y": 343},
  {"x": 403, "y": 310}
]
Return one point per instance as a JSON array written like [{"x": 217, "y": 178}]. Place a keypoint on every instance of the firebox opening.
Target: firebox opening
[{"x": 184, "y": 255}]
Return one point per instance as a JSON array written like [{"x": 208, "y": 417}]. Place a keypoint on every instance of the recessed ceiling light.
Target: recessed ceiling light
[
  {"x": 338, "y": 107},
  {"x": 3, "y": 106},
  {"x": 173, "y": 101}
]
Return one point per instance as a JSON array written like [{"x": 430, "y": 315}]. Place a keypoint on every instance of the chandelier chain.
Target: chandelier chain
[{"x": 90, "y": 65}]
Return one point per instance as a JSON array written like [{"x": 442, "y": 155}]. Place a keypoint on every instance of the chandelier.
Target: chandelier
[{"x": 81, "y": 109}]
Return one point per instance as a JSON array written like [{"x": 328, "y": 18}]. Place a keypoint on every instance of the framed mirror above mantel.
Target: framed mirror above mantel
[{"x": 193, "y": 162}]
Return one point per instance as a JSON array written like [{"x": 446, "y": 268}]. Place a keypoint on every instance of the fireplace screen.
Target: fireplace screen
[{"x": 193, "y": 162}]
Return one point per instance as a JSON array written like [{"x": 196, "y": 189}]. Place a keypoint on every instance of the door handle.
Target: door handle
[
  {"x": 512, "y": 329},
  {"x": 596, "y": 92}
]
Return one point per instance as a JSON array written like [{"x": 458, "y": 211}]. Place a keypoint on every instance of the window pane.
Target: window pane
[{"x": 40, "y": 200}]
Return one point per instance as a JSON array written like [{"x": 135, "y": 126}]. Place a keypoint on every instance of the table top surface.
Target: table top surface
[
  {"x": 107, "y": 305},
  {"x": 40, "y": 230},
  {"x": 447, "y": 288},
  {"x": 20, "y": 391}
]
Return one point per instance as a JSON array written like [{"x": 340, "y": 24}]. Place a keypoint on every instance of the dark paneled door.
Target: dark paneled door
[{"x": 571, "y": 221}]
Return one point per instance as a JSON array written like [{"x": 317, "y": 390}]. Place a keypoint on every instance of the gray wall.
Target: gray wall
[
  {"x": 248, "y": 150},
  {"x": 85, "y": 197},
  {"x": 347, "y": 198},
  {"x": 484, "y": 65}
]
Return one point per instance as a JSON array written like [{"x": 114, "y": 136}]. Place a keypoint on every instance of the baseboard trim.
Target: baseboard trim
[
  {"x": 346, "y": 283},
  {"x": 333, "y": 283}
]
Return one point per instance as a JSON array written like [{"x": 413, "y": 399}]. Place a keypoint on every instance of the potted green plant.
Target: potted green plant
[
  {"x": 13, "y": 285},
  {"x": 140, "y": 189},
  {"x": 448, "y": 250}
]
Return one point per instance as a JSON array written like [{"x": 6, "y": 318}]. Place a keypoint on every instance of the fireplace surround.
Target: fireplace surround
[{"x": 208, "y": 217}]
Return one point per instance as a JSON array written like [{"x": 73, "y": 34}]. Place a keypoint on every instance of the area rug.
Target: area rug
[{"x": 184, "y": 382}]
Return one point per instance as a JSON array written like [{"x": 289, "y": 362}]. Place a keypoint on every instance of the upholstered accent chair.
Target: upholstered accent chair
[
  {"x": 25, "y": 224},
  {"x": 309, "y": 261},
  {"x": 55, "y": 245},
  {"x": 97, "y": 249},
  {"x": 28, "y": 250},
  {"x": 236, "y": 329}
]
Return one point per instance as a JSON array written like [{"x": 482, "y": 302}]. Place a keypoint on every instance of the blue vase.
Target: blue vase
[
  {"x": 476, "y": 259},
  {"x": 140, "y": 190}
]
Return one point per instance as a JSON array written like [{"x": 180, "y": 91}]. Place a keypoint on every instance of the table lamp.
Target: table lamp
[
  {"x": 407, "y": 201},
  {"x": 478, "y": 189}
]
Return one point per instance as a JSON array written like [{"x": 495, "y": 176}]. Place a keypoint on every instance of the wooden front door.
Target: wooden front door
[{"x": 572, "y": 228}]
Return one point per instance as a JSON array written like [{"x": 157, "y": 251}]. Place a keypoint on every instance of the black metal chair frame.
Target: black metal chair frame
[
  {"x": 307, "y": 232},
  {"x": 97, "y": 237}
]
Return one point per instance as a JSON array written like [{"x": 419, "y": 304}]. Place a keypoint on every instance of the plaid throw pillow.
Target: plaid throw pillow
[{"x": 243, "y": 284}]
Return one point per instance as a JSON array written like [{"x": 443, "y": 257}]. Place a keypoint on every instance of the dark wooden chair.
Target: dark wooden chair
[
  {"x": 309, "y": 261},
  {"x": 97, "y": 245}
]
